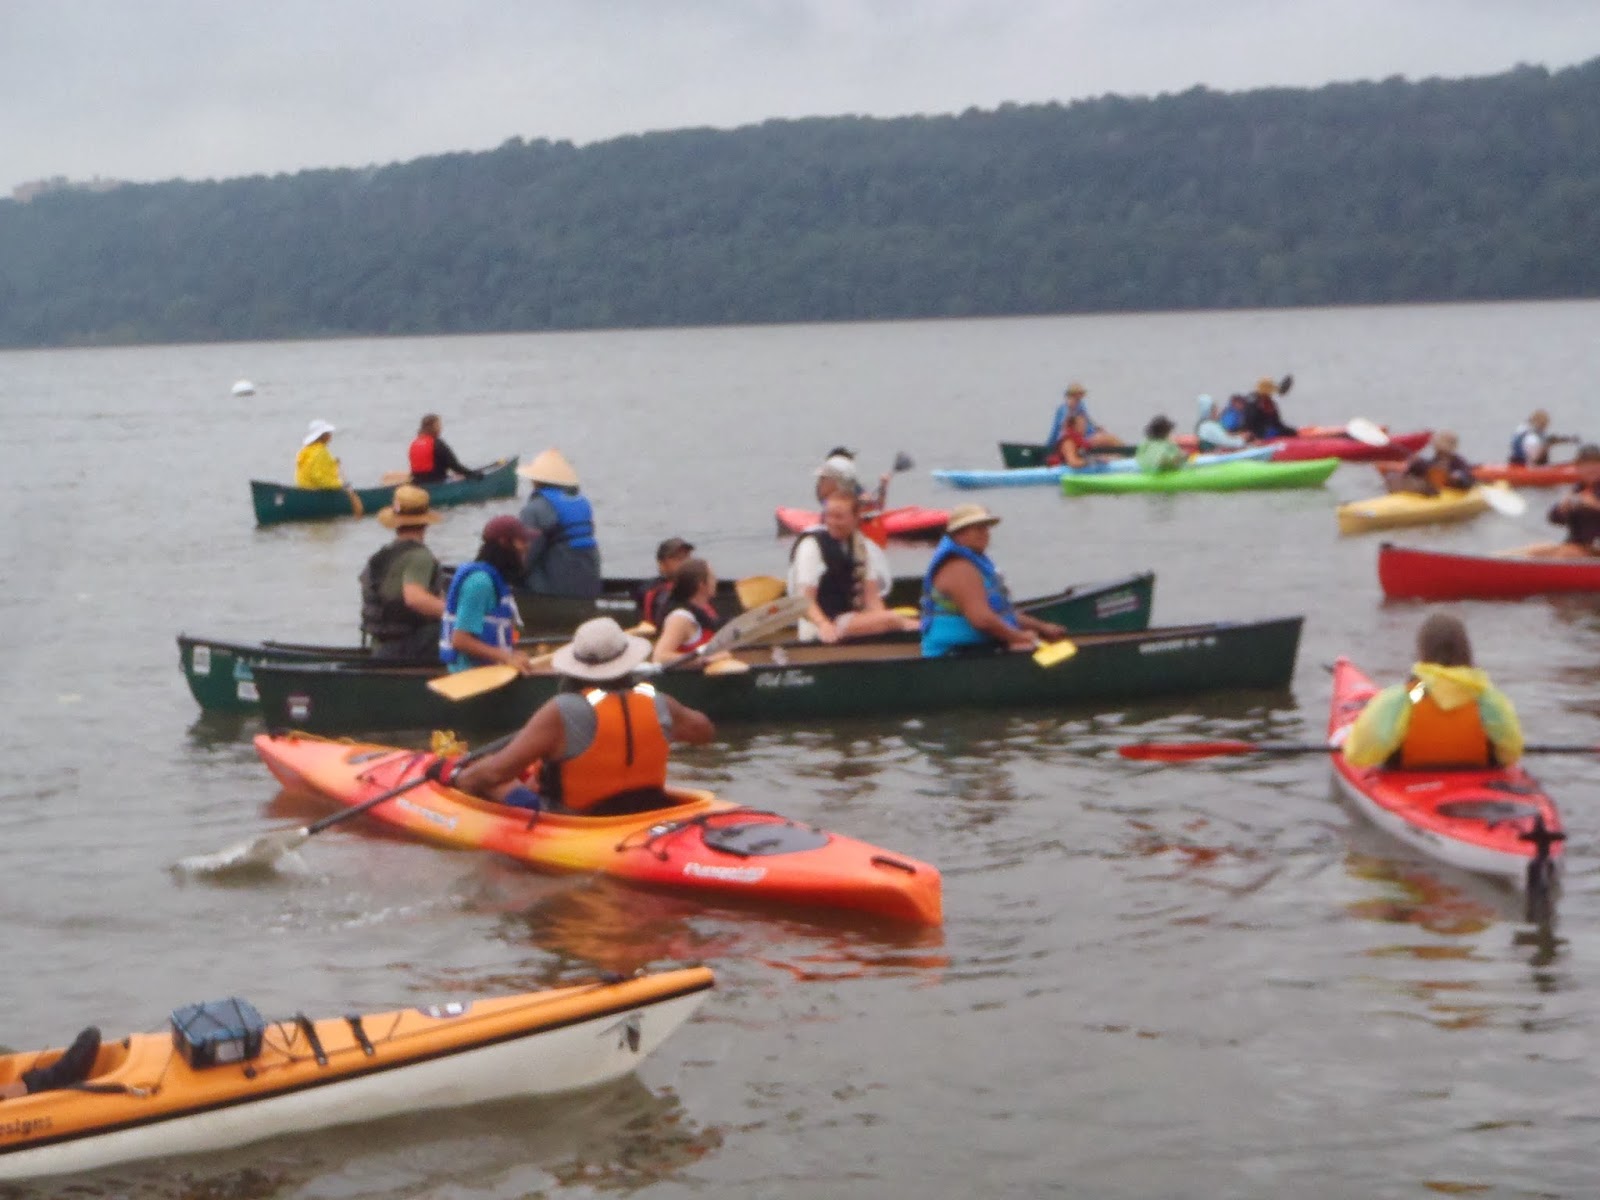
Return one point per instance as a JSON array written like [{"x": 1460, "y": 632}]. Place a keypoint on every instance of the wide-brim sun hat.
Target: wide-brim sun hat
[
  {"x": 965, "y": 516},
  {"x": 409, "y": 507},
  {"x": 550, "y": 467},
  {"x": 1266, "y": 387},
  {"x": 1076, "y": 389},
  {"x": 600, "y": 650},
  {"x": 317, "y": 429}
]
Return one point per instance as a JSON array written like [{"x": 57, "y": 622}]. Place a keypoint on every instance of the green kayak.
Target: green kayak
[{"x": 1219, "y": 477}]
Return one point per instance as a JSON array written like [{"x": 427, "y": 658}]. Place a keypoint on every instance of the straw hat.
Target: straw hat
[
  {"x": 317, "y": 429},
  {"x": 965, "y": 516},
  {"x": 550, "y": 467},
  {"x": 600, "y": 650},
  {"x": 410, "y": 507},
  {"x": 1077, "y": 389},
  {"x": 1266, "y": 387}
]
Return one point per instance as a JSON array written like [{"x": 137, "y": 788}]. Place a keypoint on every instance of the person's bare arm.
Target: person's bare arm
[
  {"x": 963, "y": 583},
  {"x": 690, "y": 725},
  {"x": 543, "y": 737}
]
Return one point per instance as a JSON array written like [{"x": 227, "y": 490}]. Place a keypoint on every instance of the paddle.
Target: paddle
[
  {"x": 1191, "y": 751},
  {"x": 1051, "y": 653},
  {"x": 1363, "y": 430},
  {"x": 265, "y": 850},
  {"x": 746, "y": 627},
  {"x": 394, "y": 478},
  {"x": 755, "y": 590},
  {"x": 356, "y": 507},
  {"x": 1503, "y": 500},
  {"x": 475, "y": 681}
]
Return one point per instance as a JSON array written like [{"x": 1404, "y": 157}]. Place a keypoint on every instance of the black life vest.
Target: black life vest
[
  {"x": 387, "y": 619},
  {"x": 843, "y": 584}
]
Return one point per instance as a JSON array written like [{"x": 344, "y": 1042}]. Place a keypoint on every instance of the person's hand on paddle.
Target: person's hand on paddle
[
  {"x": 521, "y": 662},
  {"x": 1048, "y": 630},
  {"x": 443, "y": 769},
  {"x": 827, "y": 631},
  {"x": 1023, "y": 639}
]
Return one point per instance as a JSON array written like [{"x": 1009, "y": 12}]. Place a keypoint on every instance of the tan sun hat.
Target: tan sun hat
[
  {"x": 965, "y": 516},
  {"x": 1077, "y": 389},
  {"x": 410, "y": 507},
  {"x": 1266, "y": 387},
  {"x": 550, "y": 467},
  {"x": 600, "y": 650}
]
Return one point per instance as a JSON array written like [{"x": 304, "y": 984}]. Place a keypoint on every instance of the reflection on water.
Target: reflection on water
[{"x": 1421, "y": 899}]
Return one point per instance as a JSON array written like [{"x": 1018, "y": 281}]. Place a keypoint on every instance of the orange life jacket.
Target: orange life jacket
[
  {"x": 628, "y": 754},
  {"x": 421, "y": 454},
  {"x": 1440, "y": 738}
]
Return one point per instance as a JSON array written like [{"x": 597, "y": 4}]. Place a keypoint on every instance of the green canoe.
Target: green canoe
[
  {"x": 278, "y": 502},
  {"x": 818, "y": 683},
  {"x": 1029, "y": 454},
  {"x": 1245, "y": 475},
  {"x": 221, "y": 674}
]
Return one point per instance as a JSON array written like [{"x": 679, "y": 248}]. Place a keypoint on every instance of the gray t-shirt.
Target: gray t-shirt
[
  {"x": 579, "y": 723},
  {"x": 556, "y": 568}
]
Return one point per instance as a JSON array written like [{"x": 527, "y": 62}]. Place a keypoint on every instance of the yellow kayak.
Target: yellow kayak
[{"x": 1408, "y": 508}]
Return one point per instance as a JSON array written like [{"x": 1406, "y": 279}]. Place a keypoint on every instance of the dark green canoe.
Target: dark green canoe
[
  {"x": 1034, "y": 454},
  {"x": 819, "y": 683},
  {"x": 278, "y": 502},
  {"x": 221, "y": 673}
]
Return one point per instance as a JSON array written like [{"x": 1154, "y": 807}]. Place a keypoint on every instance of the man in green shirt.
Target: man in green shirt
[{"x": 400, "y": 603}]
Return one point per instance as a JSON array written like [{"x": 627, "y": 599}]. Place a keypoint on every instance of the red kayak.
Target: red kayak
[
  {"x": 1554, "y": 475},
  {"x": 909, "y": 521},
  {"x": 1409, "y": 574},
  {"x": 1400, "y": 445},
  {"x": 1494, "y": 822}
]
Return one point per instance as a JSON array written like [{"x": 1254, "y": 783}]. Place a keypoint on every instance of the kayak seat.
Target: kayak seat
[{"x": 752, "y": 839}]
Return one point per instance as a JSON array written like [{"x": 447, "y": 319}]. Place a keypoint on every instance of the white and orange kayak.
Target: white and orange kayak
[
  {"x": 144, "y": 1099},
  {"x": 696, "y": 842}
]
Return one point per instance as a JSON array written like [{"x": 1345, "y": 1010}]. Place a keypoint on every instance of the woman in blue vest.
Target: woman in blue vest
[
  {"x": 564, "y": 558},
  {"x": 965, "y": 605},
  {"x": 480, "y": 613}
]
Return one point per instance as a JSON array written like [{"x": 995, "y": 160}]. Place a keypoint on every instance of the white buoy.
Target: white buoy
[{"x": 244, "y": 388}]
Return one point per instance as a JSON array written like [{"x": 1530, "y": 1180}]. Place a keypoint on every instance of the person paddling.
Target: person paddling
[
  {"x": 1211, "y": 433},
  {"x": 400, "y": 603},
  {"x": 315, "y": 466},
  {"x": 1579, "y": 511},
  {"x": 1158, "y": 452},
  {"x": 965, "y": 604},
  {"x": 601, "y": 742},
  {"x": 688, "y": 618},
  {"x": 1263, "y": 420},
  {"x": 670, "y": 555},
  {"x": 1446, "y": 714},
  {"x": 430, "y": 456},
  {"x": 1433, "y": 470},
  {"x": 1072, "y": 406},
  {"x": 1531, "y": 442},
  {"x": 480, "y": 612}
]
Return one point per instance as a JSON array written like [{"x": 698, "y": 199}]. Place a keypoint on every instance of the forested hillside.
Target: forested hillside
[{"x": 1439, "y": 190}]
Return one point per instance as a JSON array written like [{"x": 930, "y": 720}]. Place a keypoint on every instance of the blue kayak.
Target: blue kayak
[{"x": 1030, "y": 476}]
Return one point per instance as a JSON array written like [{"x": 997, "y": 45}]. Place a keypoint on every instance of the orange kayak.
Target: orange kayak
[
  {"x": 1554, "y": 475},
  {"x": 147, "y": 1098},
  {"x": 696, "y": 842}
]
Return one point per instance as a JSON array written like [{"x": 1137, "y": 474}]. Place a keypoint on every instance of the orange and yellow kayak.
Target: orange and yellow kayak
[
  {"x": 697, "y": 841},
  {"x": 144, "y": 1099}
]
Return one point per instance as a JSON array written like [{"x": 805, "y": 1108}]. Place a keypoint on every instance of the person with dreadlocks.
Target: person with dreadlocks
[
  {"x": 480, "y": 612},
  {"x": 844, "y": 576}
]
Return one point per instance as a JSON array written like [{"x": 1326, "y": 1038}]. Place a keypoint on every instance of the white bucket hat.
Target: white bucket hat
[
  {"x": 600, "y": 650},
  {"x": 318, "y": 428}
]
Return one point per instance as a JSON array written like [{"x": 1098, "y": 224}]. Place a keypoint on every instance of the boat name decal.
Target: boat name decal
[
  {"x": 1117, "y": 602},
  {"x": 427, "y": 814},
  {"x": 727, "y": 874},
  {"x": 439, "y": 1011},
  {"x": 246, "y": 690},
  {"x": 614, "y": 603},
  {"x": 26, "y": 1126},
  {"x": 1184, "y": 643},
  {"x": 785, "y": 679},
  {"x": 200, "y": 663},
  {"x": 299, "y": 707}
]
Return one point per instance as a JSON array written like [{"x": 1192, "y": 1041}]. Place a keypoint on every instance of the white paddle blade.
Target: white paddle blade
[
  {"x": 1503, "y": 500},
  {"x": 261, "y": 854},
  {"x": 1366, "y": 431}
]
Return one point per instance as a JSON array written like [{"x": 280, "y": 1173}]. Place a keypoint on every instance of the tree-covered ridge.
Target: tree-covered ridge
[{"x": 1350, "y": 193}]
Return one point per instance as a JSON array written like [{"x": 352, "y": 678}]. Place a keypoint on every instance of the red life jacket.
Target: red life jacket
[{"x": 422, "y": 454}]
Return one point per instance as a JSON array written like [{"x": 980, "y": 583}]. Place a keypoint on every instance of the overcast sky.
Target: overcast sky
[{"x": 152, "y": 89}]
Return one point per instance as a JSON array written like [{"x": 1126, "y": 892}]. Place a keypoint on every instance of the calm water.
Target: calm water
[{"x": 1209, "y": 980}]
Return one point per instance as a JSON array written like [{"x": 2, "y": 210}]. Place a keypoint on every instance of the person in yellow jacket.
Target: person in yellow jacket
[
  {"x": 315, "y": 466},
  {"x": 1446, "y": 715}
]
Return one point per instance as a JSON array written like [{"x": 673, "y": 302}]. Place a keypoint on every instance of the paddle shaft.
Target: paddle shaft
[
  {"x": 334, "y": 818},
  {"x": 1186, "y": 751}
]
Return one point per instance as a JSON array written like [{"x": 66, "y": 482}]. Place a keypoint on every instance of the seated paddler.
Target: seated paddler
[
  {"x": 1434, "y": 469},
  {"x": 1446, "y": 714},
  {"x": 599, "y": 746},
  {"x": 564, "y": 559},
  {"x": 844, "y": 576},
  {"x": 480, "y": 610},
  {"x": 965, "y": 605},
  {"x": 689, "y": 619},
  {"x": 315, "y": 466},
  {"x": 400, "y": 603}
]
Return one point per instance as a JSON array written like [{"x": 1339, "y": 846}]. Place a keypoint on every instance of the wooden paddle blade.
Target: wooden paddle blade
[
  {"x": 756, "y": 590},
  {"x": 394, "y": 478},
  {"x": 1366, "y": 431},
  {"x": 1503, "y": 500},
  {"x": 727, "y": 666},
  {"x": 475, "y": 681},
  {"x": 1051, "y": 653},
  {"x": 906, "y": 610},
  {"x": 357, "y": 509},
  {"x": 775, "y": 614}
]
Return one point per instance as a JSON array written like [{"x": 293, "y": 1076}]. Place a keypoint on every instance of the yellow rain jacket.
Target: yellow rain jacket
[
  {"x": 316, "y": 467},
  {"x": 1441, "y": 717}
]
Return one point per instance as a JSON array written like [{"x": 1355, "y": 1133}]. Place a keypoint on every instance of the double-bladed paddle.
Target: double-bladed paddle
[
  {"x": 267, "y": 849},
  {"x": 1192, "y": 751}
]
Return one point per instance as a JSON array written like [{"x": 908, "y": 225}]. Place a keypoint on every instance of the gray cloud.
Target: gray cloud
[{"x": 200, "y": 88}]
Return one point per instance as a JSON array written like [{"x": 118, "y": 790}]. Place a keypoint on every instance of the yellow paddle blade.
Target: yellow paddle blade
[
  {"x": 905, "y": 610},
  {"x": 727, "y": 666},
  {"x": 756, "y": 590},
  {"x": 1051, "y": 653},
  {"x": 475, "y": 681},
  {"x": 395, "y": 478},
  {"x": 356, "y": 507}
]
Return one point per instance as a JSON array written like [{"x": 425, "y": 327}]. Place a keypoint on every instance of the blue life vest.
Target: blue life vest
[
  {"x": 944, "y": 628},
  {"x": 575, "y": 517},
  {"x": 1516, "y": 457},
  {"x": 499, "y": 626}
]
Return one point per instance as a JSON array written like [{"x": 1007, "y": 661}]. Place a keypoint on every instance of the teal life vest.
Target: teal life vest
[{"x": 944, "y": 627}]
